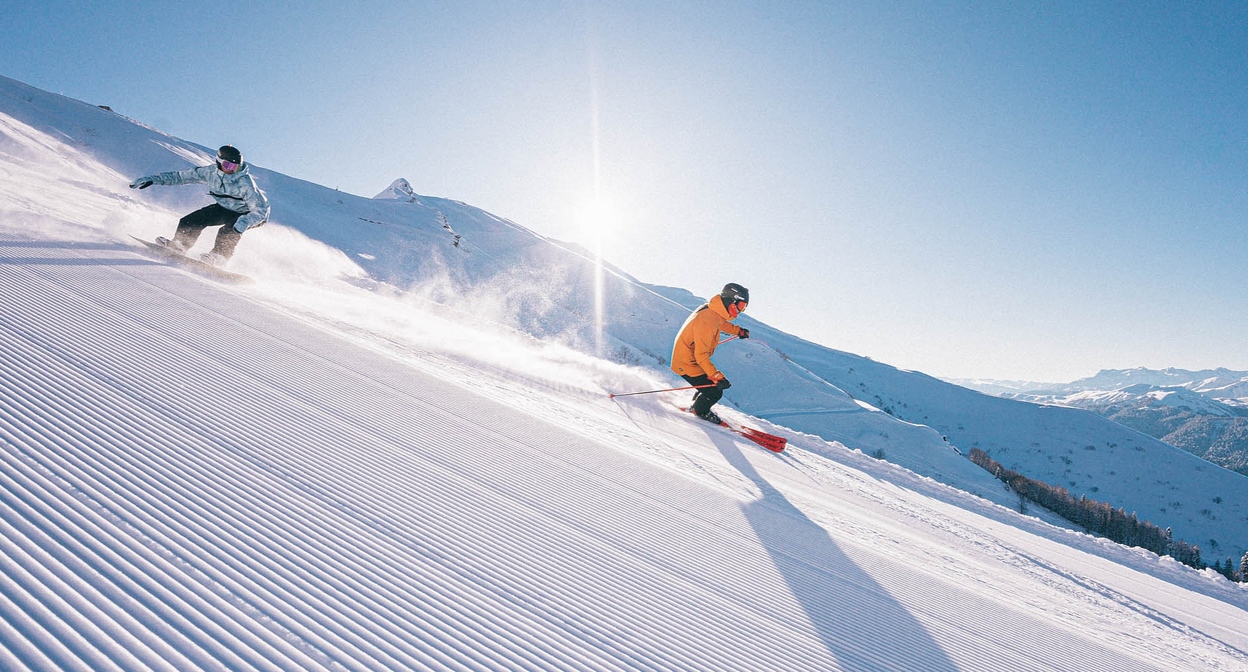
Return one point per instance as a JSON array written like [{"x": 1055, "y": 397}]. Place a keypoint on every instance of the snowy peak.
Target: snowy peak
[
  {"x": 1183, "y": 398},
  {"x": 399, "y": 190},
  {"x": 1220, "y": 385},
  {"x": 1143, "y": 395},
  {"x": 1204, "y": 381}
]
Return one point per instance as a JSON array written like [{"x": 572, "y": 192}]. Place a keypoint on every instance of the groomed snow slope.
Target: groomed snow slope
[
  {"x": 65, "y": 164},
  {"x": 195, "y": 479}
]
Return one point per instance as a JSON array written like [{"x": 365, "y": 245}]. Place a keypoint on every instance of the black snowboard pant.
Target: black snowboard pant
[
  {"x": 190, "y": 226},
  {"x": 706, "y": 397}
]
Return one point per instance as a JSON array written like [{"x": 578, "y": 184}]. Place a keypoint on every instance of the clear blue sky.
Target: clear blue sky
[{"x": 1031, "y": 190}]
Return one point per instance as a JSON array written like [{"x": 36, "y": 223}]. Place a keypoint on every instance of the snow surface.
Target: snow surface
[
  {"x": 470, "y": 265},
  {"x": 378, "y": 457}
]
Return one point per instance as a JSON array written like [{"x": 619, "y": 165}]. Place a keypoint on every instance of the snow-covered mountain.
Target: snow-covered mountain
[
  {"x": 1202, "y": 412},
  {"x": 1001, "y": 388},
  {"x": 399, "y": 190},
  {"x": 1145, "y": 395},
  {"x": 1220, "y": 385},
  {"x": 395, "y": 450}
]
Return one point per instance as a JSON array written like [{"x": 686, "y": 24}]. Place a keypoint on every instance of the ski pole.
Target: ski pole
[
  {"x": 670, "y": 389},
  {"x": 727, "y": 339}
]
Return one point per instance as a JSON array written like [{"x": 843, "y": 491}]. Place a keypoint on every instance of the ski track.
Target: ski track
[{"x": 252, "y": 492}]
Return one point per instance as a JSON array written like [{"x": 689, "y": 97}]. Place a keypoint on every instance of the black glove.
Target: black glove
[
  {"x": 723, "y": 384},
  {"x": 140, "y": 184},
  {"x": 745, "y": 334}
]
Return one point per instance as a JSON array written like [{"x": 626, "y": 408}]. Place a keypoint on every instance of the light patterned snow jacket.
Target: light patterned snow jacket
[{"x": 237, "y": 192}]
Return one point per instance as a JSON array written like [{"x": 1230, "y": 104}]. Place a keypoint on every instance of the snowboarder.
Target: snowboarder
[
  {"x": 240, "y": 204},
  {"x": 697, "y": 340}
]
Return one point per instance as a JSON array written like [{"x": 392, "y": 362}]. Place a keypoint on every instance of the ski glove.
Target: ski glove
[
  {"x": 141, "y": 183},
  {"x": 744, "y": 335},
  {"x": 723, "y": 384}
]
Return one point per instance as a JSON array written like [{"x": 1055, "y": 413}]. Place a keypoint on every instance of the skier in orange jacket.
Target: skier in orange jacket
[{"x": 697, "y": 340}]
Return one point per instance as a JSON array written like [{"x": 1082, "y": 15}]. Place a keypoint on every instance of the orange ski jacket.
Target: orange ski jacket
[{"x": 698, "y": 338}]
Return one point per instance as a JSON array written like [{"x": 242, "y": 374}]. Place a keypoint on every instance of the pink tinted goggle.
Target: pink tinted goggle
[{"x": 227, "y": 166}]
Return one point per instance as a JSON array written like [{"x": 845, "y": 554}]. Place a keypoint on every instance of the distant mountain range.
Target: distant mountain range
[{"x": 1202, "y": 412}]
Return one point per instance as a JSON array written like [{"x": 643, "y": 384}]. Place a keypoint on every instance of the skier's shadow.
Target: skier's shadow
[{"x": 856, "y": 618}]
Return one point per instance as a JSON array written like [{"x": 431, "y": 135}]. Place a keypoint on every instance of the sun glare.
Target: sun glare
[{"x": 598, "y": 220}]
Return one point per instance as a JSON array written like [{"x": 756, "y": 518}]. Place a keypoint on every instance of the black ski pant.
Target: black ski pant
[
  {"x": 706, "y": 397},
  {"x": 190, "y": 226}
]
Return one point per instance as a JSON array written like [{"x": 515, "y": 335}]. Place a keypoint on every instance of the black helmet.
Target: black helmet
[
  {"x": 230, "y": 153},
  {"x": 733, "y": 293}
]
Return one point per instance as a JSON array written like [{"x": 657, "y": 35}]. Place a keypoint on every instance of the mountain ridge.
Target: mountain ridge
[{"x": 1202, "y": 412}]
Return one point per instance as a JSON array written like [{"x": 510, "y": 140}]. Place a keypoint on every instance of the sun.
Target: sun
[{"x": 599, "y": 220}]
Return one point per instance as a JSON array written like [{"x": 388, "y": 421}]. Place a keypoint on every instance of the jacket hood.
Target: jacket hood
[{"x": 717, "y": 304}]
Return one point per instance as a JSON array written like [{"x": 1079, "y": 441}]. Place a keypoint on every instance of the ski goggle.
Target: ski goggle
[
  {"x": 226, "y": 166},
  {"x": 737, "y": 307}
]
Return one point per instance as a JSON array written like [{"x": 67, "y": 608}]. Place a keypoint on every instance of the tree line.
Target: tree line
[{"x": 1103, "y": 519}]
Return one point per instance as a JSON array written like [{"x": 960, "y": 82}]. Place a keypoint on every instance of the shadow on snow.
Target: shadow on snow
[{"x": 855, "y": 617}]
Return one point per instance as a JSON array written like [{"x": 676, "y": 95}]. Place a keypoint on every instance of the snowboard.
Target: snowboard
[{"x": 193, "y": 264}]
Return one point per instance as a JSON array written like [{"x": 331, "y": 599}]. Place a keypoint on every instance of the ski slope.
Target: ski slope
[
  {"x": 442, "y": 275},
  {"x": 196, "y": 478},
  {"x": 337, "y": 468}
]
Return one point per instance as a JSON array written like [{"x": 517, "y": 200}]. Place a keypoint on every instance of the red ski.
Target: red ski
[{"x": 771, "y": 442}]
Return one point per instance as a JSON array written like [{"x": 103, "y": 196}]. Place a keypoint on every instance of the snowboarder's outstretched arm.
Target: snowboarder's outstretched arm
[{"x": 175, "y": 177}]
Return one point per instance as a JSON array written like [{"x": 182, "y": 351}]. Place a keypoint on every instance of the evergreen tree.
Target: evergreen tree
[
  {"x": 1095, "y": 517},
  {"x": 1243, "y": 568}
]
